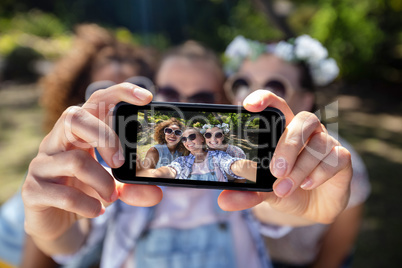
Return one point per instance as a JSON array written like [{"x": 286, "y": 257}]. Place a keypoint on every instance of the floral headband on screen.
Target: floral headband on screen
[
  {"x": 224, "y": 127},
  {"x": 305, "y": 49}
]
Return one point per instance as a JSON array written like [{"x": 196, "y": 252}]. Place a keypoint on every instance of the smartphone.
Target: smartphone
[{"x": 253, "y": 136}]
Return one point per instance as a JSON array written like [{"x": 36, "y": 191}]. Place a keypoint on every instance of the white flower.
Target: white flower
[
  {"x": 324, "y": 72},
  {"x": 225, "y": 125},
  {"x": 239, "y": 47},
  {"x": 309, "y": 49},
  {"x": 284, "y": 50},
  {"x": 219, "y": 126}
]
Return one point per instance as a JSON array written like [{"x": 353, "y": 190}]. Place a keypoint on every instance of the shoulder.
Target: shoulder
[
  {"x": 158, "y": 146},
  {"x": 234, "y": 148},
  {"x": 153, "y": 152},
  {"x": 219, "y": 154},
  {"x": 360, "y": 185},
  {"x": 235, "y": 151}
]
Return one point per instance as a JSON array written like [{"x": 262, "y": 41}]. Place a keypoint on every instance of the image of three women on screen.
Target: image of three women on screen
[{"x": 190, "y": 153}]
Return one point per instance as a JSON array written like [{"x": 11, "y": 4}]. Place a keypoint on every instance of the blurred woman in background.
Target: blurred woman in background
[{"x": 294, "y": 70}]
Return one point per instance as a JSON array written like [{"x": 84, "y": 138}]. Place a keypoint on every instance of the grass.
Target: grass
[
  {"x": 20, "y": 135},
  {"x": 375, "y": 134}
]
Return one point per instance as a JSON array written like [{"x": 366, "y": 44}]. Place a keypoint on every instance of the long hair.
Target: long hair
[
  {"x": 93, "y": 47},
  {"x": 159, "y": 135}
]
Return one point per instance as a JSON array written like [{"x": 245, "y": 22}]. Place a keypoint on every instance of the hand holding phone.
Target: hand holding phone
[
  {"x": 313, "y": 171},
  {"x": 210, "y": 135}
]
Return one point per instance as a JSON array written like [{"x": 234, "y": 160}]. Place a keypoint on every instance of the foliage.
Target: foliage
[
  {"x": 34, "y": 22},
  {"x": 250, "y": 22},
  {"x": 350, "y": 29},
  {"x": 234, "y": 120},
  {"x": 42, "y": 32},
  {"x": 362, "y": 35},
  {"x": 158, "y": 41}
]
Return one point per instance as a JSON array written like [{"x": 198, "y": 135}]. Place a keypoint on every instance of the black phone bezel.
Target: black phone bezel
[{"x": 265, "y": 179}]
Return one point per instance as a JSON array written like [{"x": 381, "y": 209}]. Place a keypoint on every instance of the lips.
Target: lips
[
  {"x": 191, "y": 146},
  {"x": 213, "y": 144}
]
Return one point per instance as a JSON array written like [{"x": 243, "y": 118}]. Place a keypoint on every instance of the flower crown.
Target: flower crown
[
  {"x": 323, "y": 70},
  {"x": 223, "y": 126}
]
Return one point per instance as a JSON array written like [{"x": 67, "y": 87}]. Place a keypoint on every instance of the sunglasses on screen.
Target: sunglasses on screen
[
  {"x": 169, "y": 131},
  {"x": 217, "y": 135},
  {"x": 190, "y": 137}
]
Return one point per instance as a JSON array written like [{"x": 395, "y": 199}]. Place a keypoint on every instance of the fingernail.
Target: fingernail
[
  {"x": 253, "y": 99},
  {"x": 307, "y": 183},
  {"x": 279, "y": 167},
  {"x": 141, "y": 93},
  {"x": 103, "y": 209},
  {"x": 283, "y": 187},
  {"x": 118, "y": 158},
  {"x": 128, "y": 85}
]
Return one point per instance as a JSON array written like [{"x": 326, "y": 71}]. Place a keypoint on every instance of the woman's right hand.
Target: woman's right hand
[{"x": 64, "y": 181}]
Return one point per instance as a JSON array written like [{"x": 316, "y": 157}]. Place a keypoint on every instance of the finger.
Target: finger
[
  {"x": 292, "y": 141},
  {"x": 230, "y": 200},
  {"x": 80, "y": 165},
  {"x": 62, "y": 197},
  {"x": 140, "y": 195},
  {"x": 337, "y": 160},
  {"x": 318, "y": 147},
  {"x": 261, "y": 99},
  {"x": 78, "y": 128},
  {"x": 102, "y": 101}
]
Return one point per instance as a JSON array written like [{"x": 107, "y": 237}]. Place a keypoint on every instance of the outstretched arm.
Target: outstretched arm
[
  {"x": 340, "y": 238},
  {"x": 162, "y": 172}
]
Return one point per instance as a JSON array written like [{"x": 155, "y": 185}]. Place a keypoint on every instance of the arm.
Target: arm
[
  {"x": 162, "y": 172},
  {"x": 32, "y": 254},
  {"x": 339, "y": 240},
  {"x": 151, "y": 158}
]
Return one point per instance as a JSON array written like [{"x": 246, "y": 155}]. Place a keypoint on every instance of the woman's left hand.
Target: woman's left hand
[{"x": 313, "y": 170}]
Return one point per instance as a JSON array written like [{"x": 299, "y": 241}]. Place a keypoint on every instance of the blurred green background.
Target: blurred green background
[{"x": 364, "y": 36}]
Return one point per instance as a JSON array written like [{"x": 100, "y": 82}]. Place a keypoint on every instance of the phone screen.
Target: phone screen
[{"x": 179, "y": 133}]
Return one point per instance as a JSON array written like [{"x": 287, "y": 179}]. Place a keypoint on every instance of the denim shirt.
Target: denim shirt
[{"x": 183, "y": 165}]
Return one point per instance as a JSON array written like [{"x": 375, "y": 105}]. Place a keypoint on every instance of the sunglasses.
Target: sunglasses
[
  {"x": 190, "y": 137},
  {"x": 239, "y": 87},
  {"x": 169, "y": 131},
  {"x": 170, "y": 94},
  {"x": 217, "y": 135},
  {"x": 140, "y": 81}
]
